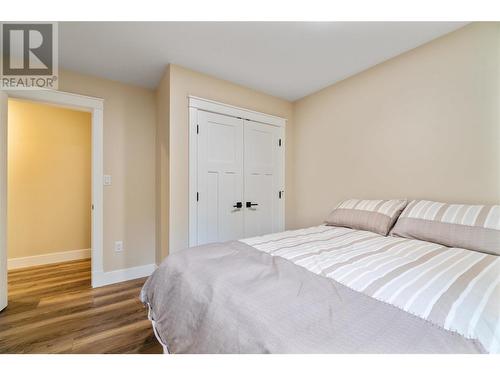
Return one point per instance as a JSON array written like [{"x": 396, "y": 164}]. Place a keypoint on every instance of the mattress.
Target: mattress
[{"x": 326, "y": 289}]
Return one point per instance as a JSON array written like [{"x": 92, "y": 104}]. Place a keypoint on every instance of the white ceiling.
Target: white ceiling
[{"x": 286, "y": 59}]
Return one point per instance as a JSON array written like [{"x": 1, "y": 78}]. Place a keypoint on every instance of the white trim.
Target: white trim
[
  {"x": 96, "y": 107},
  {"x": 3, "y": 200},
  {"x": 193, "y": 177},
  {"x": 49, "y": 258},
  {"x": 197, "y": 103},
  {"x": 59, "y": 98},
  {"x": 97, "y": 239},
  {"x": 112, "y": 277},
  {"x": 231, "y": 110}
]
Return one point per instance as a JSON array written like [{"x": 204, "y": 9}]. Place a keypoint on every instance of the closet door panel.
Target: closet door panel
[
  {"x": 262, "y": 178},
  {"x": 220, "y": 178}
]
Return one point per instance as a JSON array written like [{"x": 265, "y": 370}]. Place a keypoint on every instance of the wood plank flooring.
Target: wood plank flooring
[{"x": 53, "y": 309}]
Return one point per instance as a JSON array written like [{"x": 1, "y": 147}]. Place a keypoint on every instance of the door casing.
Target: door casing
[
  {"x": 3, "y": 200},
  {"x": 68, "y": 100}
]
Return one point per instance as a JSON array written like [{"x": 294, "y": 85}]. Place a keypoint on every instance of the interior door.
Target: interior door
[
  {"x": 263, "y": 179},
  {"x": 220, "y": 178},
  {"x": 3, "y": 200}
]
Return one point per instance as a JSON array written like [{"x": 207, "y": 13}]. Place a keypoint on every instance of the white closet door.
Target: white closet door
[
  {"x": 263, "y": 179},
  {"x": 220, "y": 178},
  {"x": 3, "y": 200}
]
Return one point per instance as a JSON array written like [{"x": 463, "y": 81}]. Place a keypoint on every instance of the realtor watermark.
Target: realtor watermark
[{"x": 29, "y": 58}]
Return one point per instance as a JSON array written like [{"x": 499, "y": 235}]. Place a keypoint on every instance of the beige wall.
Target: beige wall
[
  {"x": 129, "y": 156},
  {"x": 184, "y": 82},
  {"x": 48, "y": 179},
  {"x": 425, "y": 124}
]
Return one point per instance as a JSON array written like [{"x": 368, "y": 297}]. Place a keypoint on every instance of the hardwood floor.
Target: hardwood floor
[{"x": 53, "y": 309}]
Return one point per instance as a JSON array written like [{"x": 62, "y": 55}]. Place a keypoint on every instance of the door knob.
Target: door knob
[
  {"x": 238, "y": 205},
  {"x": 250, "y": 204}
]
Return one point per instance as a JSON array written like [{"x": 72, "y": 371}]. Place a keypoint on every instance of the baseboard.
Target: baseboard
[
  {"x": 40, "y": 260},
  {"x": 118, "y": 276}
]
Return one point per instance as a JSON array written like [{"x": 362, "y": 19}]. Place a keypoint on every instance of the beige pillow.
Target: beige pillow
[
  {"x": 472, "y": 227},
  {"x": 373, "y": 215}
]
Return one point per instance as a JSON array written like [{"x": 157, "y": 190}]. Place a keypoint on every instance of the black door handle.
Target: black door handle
[
  {"x": 250, "y": 204},
  {"x": 238, "y": 205}
]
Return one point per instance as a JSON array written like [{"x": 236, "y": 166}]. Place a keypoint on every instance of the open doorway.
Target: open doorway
[
  {"x": 93, "y": 106},
  {"x": 49, "y": 197}
]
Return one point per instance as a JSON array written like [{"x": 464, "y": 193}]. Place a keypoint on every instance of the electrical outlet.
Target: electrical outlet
[{"x": 118, "y": 246}]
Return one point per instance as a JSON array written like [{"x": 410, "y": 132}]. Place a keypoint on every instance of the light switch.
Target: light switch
[
  {"x": 118, "y": 246},
  {"x": 107, "y": 180}
]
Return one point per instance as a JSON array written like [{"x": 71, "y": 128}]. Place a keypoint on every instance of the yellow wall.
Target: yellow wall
[
  {"x": 425, "y": 124},
  {"x": 49, "y": 161},
  {"x": 129, "y": 156}
]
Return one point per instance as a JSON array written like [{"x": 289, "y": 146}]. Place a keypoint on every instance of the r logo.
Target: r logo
[{"x": 28, "y": 49}]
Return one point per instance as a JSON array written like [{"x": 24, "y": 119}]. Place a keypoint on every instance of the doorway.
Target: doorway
[
  {"x": 48, "y": 184},
  {"x": 93, "y": 108}
]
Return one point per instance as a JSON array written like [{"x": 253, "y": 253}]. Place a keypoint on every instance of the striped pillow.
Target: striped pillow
[
  {"x": 373, "y": 215},
  {"x": 454, "y": 225}
]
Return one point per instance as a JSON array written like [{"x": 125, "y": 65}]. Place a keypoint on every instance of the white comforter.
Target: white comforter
[{"x": 456, "y": 289}]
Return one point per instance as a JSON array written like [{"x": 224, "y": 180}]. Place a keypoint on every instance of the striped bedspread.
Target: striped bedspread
[{"x": 456, "y": 289}]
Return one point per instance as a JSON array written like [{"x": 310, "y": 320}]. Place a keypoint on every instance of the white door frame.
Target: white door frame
[
  {"x": 96, "y": 107},
  {"x": 197, "y": 103}
]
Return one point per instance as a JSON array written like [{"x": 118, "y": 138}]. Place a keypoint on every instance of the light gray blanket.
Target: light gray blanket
[{"x": 232, "y": 298}]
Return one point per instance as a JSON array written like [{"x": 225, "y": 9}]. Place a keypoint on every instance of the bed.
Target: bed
[{"x": 326, "y": 289}]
